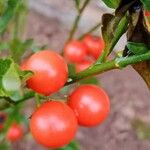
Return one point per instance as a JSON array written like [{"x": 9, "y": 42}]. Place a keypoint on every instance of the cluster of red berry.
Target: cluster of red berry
[
  {"x": 55, "y": 123},
  {"x": 83, "y": 53}
]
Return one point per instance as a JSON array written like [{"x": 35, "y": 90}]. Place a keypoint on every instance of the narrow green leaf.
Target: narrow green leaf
[
  {"x": 113, "y": 28},
  {"x": 146, "y": 4},
  {"x": 112, "y": 3},
  {"x": 18, "y": 48},
  {"x": 137, "y": 48},
  {"x": 8, "y": 14}
]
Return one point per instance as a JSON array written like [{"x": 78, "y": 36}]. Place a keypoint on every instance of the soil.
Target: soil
[{"x": 129, "y": 95}]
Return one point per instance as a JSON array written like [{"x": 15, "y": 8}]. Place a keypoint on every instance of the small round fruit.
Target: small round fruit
[
  {"x": 53, "y": 124},
  {"x": 75, "y": 51},
  {"x": 14, "y": 133},
  {"x": 50, "y": 72},
  {"x": 83, "y": 65},
  {"x": 95, "y": 45},
  {"x": 90, "y": 104}
]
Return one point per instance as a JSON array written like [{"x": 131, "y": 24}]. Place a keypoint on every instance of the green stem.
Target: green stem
[
  {"x": 16, "y": 27},
  {"x": 76, "y": 21},
  {"x": 10, "y": 101},
  {"x": 117, "y": 63},
  {"x": 37, "y": 99},
  {"x": 28, "y": 95},
  {"x": 74, "y": 28}
]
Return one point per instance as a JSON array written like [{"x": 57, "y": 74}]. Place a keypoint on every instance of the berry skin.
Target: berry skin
[
  {"x": 14, "y": 133},
  {"x": 50, "y": 72},
  {"x": 75, "y": 51},
  {"x": 53, "y": 124},
  {"x": 83, "y": 65},
  {"x": 90, "y": 104},
  {"x": 95, "y": 45}
]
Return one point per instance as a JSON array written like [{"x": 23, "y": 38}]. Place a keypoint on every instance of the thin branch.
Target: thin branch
[
  {"x": 28, "y": 95},
  {"x": 117, "y": 63},
  {"x": 76, "y": 21}
]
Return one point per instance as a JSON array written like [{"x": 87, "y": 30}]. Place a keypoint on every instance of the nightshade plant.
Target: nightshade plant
[{"x": 130, "y": 17}]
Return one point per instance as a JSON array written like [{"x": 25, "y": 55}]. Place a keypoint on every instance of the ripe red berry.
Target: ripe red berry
[
  {"x": 95, "y": 45},
  {"x": 53, "y": 124},
  {"x": 14, "y": 133},
  {"x": 50, "y": 72},
  {"x": 75, "y": 51},
  {"x": 83, "y": 65},
  {"x": 90, "y": 104}
]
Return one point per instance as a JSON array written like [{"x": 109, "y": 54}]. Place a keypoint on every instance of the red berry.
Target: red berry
[
  {"x": 14, "y": 133},
  {"x": 95, "y": 45},
  {"x": 50, "y": 72},
  {"x": 53, "y": 124},
  {"x": 75, "y": 51},
  {"x": 90, "y": 104},
  {"x": 83, "y": 65}
]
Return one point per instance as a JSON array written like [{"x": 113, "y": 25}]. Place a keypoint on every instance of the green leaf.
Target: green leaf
[
  {"x": 12, "y": 83},
  {"x": 4, "y": 65},
  {"x": 90, "y": 80},
  {"x": 19, "y": 19},
  {"x": 137, "y": 48},
  {"x": 11, "y": 78},
  {"x": 74, "y": 145},
  {"x": 18, "y": 48},
  {"x": 113, "y": 28},
  {"x": 146, "y": 4},
  {"x": 25, "y": 75},
  {"x": 8, "y": 14},
  {"x": 112, "y": 3}
]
